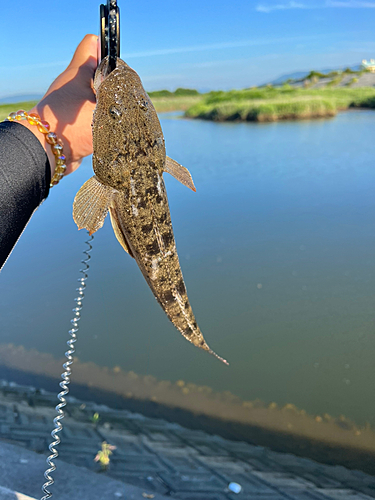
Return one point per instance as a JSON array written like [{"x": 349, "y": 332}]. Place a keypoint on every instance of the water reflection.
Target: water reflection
[
  {"x": 287, "y": 429},
  {"x": 277, "y": 250}
]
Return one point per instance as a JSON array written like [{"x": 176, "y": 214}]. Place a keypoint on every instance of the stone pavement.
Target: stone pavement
[{"x": 164, "y": 458}]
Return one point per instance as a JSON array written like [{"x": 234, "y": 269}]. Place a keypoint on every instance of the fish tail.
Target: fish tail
[{"x": 217, "y": 356}]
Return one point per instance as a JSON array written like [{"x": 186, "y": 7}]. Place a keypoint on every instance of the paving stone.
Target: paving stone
[
  {"x": 88, "y": 448},
  {"x": 39, "y": 445},
  {"x": 45, "y": 400},
  {"x": 250, "y": 483},
  {"x": 116, "y": 419},
  {"x": 224, "y": 464},
  {"x": 128, "y": 449},
  {"x": 367, "y": 491},
  {"x": 209, "y": 448},
  {"x": 190, "y": 434},
  {"x": 36, "y": 420},
  {"x": 4, "y": 429},
  {"x": 240, "y": 447},
  {"x": 80, "y": 459},
  {"x": 124, "y": 425},
  {"x": 137, "y": 463},
  {"x": 286, "y": 459},
  {"x": 357, "y": 483},
  {"x": 124, "y": 435},
  {"x": 165, "y": 458},
  {"x": 149, "y": 482},
  {"x": 318, "y": 479},
  {"x": 6, "y": 414},
  {"x": 344, "y": 494},
  {"x": 298, "y": 494},
  {"x": 170, "y": 448},
  {"x": 18, "y": 432},
  {"x": 294, "y": 464},
  {"x": 260, "y": 465},
  {"x": 79, "y": 433},
  {"x": 255, "y": 496},
  {"x": 193, "y": 482},
  {"x": 202, "y": 496},
  {"x": 362, "y": 476},
  {"x": 280, "y": 479},
  {"x": 23, "y": 444},
  {"x": 341, "y": 474},
  {"x": 162, "y": 437},
  {"x": 156, "y": 425},
  {"x": 183, "y": 465}
]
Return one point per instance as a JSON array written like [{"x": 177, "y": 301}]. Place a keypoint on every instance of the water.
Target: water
[{"x": 277, "y": 250}]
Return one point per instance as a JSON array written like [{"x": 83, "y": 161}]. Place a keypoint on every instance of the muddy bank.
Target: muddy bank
[{"x": 288, "y": 429}]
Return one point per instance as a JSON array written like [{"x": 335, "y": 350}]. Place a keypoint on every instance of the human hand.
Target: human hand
[{"x": 68, "y": 106}]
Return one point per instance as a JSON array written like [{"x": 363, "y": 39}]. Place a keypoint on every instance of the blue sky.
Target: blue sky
[{"x": 204, "y": 44}]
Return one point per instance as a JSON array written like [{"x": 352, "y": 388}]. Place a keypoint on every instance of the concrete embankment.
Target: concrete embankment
[{"x": 287, "y": 429}]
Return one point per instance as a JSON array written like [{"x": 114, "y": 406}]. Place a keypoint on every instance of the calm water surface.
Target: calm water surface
[{"x": 278, "y": 253}]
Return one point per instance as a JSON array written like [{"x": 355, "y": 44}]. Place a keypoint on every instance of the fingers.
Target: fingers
[{"x": 86, "y": 53}]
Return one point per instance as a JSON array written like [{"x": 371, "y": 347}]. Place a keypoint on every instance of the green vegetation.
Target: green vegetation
[
  {"x": 95, "y": 418},
  {"x": 353, "y": 80},
  {"x": 175, "y": 103},
  {"x": 261, "y": 104},
  {"x": 5, "y": 109},
  {"x": 280, "y": 103},
  {"x": 103, "y": 455},
  {"x": 163, "y": 100},
  {"x": 181, "y": 99},
  {"x": 177, "y": 93}
]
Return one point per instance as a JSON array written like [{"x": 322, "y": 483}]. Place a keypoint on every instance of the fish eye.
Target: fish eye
[{"x": 114, "y": 112}]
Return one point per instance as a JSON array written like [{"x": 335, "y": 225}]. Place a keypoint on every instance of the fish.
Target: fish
[{"x": 129, "y": 159}]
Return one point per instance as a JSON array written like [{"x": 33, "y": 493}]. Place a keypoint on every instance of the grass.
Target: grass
[
  {"x": 164, "y": 104},
  {"x": 263, "y": 111},
  {"x": 282, "y": 103},
  {"x": 172, "y": 102},
  {"x": 254, "y": 104},
  {"x": 180, "y": 92},
  {"x": 5, "y": 109},
  {"x": 179, "y": 100}
]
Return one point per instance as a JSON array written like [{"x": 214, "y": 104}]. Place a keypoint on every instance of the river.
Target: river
[{"x": 277, "y": 247}]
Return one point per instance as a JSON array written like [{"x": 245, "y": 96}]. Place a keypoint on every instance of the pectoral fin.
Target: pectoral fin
[
  {"x": 179, "y": 172},
  {"x": 91, "y": 205},
  {"x": 117, "y": 230}
]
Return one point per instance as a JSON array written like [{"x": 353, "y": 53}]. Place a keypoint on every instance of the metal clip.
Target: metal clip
[{"x": 109, "y": 40}]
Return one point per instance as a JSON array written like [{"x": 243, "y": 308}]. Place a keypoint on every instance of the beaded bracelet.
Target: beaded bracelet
[{"x": 52, "y": 139}]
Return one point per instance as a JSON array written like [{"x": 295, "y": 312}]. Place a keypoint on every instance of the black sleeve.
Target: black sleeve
[{"x": 25, "y": 176}]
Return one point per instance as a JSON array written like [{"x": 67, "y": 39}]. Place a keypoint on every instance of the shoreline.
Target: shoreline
[
  {"x": 290, "y": 118},
  {"x": 237, "y": 117},
  {"x": 322, "y": 438},
  {"x": 270, "y": 104}
]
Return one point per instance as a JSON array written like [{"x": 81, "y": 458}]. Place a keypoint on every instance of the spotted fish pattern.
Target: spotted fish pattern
[{"x": 129, "y": 160}]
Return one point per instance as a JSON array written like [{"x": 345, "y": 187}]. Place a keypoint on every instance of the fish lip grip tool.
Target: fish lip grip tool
[{"x": 109, "y": 38}]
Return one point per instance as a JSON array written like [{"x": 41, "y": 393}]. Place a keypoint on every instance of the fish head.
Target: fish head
[{"x": 126, "y": 128}]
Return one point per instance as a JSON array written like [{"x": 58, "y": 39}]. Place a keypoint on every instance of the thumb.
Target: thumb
[{"x": 86, "y": 53}]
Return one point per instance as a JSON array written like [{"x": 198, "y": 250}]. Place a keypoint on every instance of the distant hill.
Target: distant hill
[
  {"x": 20, "y": 98},
  {"x": 300, "y": 75}
]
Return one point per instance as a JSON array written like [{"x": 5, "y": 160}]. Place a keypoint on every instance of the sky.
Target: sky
[{"x": 203, "y": 44}]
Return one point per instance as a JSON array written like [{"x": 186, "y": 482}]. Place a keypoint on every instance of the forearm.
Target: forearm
[
  {"x": 27, "y": 161},
  {"x": 25, "y": 176}
]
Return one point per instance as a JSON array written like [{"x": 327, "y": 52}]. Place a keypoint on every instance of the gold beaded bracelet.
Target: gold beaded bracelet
[{"x": 52, "y": 139}]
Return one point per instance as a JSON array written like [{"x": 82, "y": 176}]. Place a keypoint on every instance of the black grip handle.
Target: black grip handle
[{"x": 109, "y": 43}]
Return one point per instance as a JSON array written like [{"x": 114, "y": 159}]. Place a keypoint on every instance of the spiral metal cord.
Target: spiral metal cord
[{"x": 67, "y": 373}]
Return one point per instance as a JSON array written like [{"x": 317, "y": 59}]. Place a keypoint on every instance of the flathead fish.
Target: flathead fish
[{"x": 129, "y": 160}]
